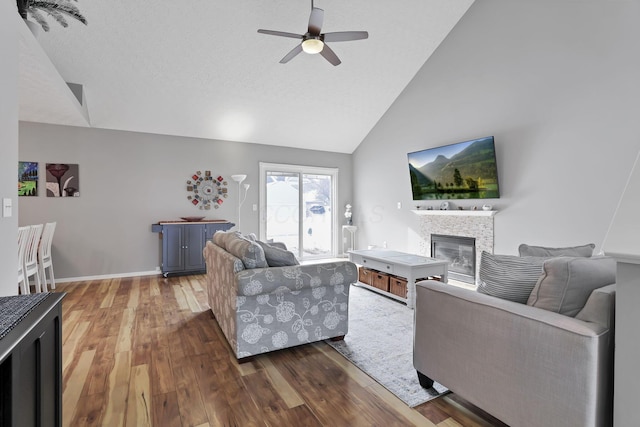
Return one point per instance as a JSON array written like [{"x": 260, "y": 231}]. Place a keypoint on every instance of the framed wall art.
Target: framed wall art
[
  {"x": 27, "y": 178},
  {"x": 63, "y": 180},
  {"x": 206, "y": 191}
]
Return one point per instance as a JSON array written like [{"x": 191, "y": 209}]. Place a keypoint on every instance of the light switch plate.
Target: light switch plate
[{"x": 7, "y": 206}]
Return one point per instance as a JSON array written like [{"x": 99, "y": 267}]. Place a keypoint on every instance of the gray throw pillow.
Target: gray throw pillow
[
  {"x": 573, "y": 251},
  {"x": 509, "y": 277},
  {"x": 277, "y": 244},
  {"x": 567, "y": 283},
  {"x": 277, "y": 257}
]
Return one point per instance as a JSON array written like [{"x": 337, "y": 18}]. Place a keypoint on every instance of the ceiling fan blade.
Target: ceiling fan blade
[
  {"x": 345, "y": 36},
  {"x": 330, "y": 55},
  {"x": 289, "y": 56},
  {"x": 281, "y": 34},
  {"x": 315, "y": 21}
]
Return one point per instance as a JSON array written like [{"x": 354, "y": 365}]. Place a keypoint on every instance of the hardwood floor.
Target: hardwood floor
[{"x": 146, "y": 351}]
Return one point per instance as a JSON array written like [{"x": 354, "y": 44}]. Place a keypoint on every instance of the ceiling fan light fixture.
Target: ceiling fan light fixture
[{"x": 312, "y": 46}]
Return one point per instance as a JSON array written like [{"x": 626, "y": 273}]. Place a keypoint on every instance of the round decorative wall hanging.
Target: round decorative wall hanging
[{"x": 206, "y": 191}]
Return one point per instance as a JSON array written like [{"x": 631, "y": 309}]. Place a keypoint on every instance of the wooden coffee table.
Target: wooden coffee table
[{"x": 401, "y": 264}]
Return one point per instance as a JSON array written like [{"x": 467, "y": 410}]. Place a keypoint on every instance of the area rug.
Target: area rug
[{"x": 380, "y": 343}]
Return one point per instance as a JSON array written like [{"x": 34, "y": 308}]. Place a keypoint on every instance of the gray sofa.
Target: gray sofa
[
  {"x": 261, "y": 308},
  {"x": 525, "y": 365}
]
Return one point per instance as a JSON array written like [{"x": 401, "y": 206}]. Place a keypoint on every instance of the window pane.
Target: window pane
[
  {"x": 283, "y": 207},
  {"x": 317, "y": 224}
]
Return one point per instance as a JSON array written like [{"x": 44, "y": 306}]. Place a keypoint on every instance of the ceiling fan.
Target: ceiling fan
[{"x": 315, "y": 42}]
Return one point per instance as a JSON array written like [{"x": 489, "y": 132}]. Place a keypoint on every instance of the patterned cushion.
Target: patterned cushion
[
  {"x": 509, "y": 277},
  {"x": 573, "y": 251},
  {"x": 277, "y": 257},
  {"x": 218, "y": 238},
  {"x": 249, "y": 252},
  {"x": 567, "y": 282},
  {"x": 222, "y": 238}
]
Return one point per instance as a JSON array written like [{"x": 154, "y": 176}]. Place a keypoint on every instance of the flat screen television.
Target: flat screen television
[{"x": 466, "y": 170}]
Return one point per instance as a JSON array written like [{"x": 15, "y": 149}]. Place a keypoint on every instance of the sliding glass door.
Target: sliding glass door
[{"x": 298, "y": 208}]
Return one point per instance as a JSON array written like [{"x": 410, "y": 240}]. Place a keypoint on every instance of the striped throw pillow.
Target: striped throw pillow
[{"x": 509, "y": 277}]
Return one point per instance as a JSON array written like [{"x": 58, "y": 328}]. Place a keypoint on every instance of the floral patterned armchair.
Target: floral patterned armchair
[{"x": 269, "y": 308}]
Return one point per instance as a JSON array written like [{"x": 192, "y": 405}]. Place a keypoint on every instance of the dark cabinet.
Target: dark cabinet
[
  {"x": 31, "y": 364},
  {"x": 182, "y": 245}
]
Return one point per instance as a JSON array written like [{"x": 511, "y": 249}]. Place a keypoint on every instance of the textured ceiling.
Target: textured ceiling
[{"x": 200, "y": 69}]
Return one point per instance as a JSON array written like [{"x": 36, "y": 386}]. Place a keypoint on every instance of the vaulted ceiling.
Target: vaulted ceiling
[{"x": 200, "y": 69}]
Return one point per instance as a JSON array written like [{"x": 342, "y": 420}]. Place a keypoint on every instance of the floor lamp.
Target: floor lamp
[{"x": 239, "y": 178}]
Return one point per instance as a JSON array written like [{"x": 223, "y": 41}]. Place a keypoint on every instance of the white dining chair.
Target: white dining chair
[
  {"x": 44, "y": 256},
  {"x": 23, "y": 237},
  {"x": 31, "y": 256}
]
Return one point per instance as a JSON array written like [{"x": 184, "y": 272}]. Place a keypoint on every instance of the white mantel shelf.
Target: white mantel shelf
[{"x": 453, "y": 212}]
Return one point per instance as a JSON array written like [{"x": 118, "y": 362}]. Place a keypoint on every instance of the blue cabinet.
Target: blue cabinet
[{"x": 183, "y": 242}]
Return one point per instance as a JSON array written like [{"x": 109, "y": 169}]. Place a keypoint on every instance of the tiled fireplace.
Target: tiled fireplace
[{"x": 477, "y": 225}]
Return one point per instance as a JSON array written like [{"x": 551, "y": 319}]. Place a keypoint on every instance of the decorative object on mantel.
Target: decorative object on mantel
[
  {"x": 206, "y": 190},
  {"x": 57, "y": 9},
  {"x": 444, "y": 206},
  {"x": 348, "y": 214},
  {"x": 486, "y": 207},
  {"x": 239, "y": 178}
]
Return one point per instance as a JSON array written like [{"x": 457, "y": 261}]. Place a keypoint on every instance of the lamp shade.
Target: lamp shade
[{"x": 239, "y": 178}]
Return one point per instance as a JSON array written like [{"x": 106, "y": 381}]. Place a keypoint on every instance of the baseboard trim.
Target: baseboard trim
[{"x": 108, "y": 276}]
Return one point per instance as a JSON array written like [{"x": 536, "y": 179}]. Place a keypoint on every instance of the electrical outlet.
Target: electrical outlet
[
  {"x": 255, "y": 207},
  {"x": 399, "y": 205}
]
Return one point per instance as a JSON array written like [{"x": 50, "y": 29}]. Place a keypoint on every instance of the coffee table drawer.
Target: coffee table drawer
[
  {"x": 377, "y": 265},
  {"x": 380, "y": 281},
  {"x": 398, "y": 286}
]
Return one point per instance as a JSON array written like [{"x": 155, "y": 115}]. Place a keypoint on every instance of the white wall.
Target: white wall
[
  {"x": 8, "y": 146},
  {"x": 555, "y": 83},
  {"x": 130, "y": 180}
]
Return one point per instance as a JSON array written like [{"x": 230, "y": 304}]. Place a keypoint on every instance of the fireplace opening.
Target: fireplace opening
[{"x": 461, "y": 254}]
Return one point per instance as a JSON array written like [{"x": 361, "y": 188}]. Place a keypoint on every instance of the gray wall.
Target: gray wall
[
  {"x": 555, "y": 83},
  {"x": 8, "y": 146},
  {"x": 130, "y": 180}
]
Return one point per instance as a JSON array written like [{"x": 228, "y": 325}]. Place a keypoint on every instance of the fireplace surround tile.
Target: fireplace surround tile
[{"x": 478, "y": 227}]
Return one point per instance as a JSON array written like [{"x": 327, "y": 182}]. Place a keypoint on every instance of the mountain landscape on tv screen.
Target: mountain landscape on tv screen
[{"x": 469, "y": 174}]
